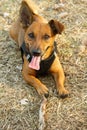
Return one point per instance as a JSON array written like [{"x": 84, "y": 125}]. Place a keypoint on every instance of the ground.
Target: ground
[{"x": 19, "y": 102}]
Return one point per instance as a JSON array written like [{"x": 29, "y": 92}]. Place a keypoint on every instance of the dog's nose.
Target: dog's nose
[{"x": 36, "y": 52}]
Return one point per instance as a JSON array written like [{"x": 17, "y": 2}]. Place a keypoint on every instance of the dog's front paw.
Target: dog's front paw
[
  {"x": 43, "y": 90},
  {"x": 63, "y": 93}
]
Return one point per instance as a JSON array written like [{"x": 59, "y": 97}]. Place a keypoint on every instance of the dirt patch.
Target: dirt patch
[{"x": 19, "y": 102}]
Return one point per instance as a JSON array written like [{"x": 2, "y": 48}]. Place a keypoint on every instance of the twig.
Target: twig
[{"x": 42, "y": 114}]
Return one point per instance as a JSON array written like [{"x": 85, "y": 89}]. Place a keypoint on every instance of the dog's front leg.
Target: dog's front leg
[
  {"x": 57, "y": 71},
  {"x": 33, "y": 81},
  {"x": 59, "y": 79}
]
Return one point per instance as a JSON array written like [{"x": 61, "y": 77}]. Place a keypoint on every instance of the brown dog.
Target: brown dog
[{"x": 35, "y": 37}]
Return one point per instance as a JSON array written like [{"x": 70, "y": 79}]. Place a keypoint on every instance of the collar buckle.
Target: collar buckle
[{"x": 28, "y": 56}]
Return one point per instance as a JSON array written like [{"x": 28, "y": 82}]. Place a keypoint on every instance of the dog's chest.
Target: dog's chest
[{"x": 46, "y": 64}]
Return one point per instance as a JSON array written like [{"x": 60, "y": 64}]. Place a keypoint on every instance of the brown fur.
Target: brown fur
[{"x": 29, "y": 21}]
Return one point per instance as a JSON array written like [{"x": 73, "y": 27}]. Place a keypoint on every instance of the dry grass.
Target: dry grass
[{"x": 19, "y": 102}]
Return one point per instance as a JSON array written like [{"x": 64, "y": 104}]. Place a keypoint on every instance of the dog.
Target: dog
[{"x": 36, "y": 39}]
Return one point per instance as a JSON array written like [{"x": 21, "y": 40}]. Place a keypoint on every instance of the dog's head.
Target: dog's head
[{"x": 39, "y": 35}]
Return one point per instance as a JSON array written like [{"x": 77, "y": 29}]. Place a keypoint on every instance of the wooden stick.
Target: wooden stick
[{"x": 42, "y": 114}]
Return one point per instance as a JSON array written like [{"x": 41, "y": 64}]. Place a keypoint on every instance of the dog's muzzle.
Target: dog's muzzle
[
  {"x": 36, "y": 52},
  {"x": 42, "y": 66}
]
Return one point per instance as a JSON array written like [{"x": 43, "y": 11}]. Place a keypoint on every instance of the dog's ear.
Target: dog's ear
[
  {"x": 26, "y": 13},
  {"x": 56, "y": 26}
]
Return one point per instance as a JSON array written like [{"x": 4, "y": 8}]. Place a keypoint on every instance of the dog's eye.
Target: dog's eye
[
  {"x": 31, "y": 35},
  {"x": 46, "y": 37}
]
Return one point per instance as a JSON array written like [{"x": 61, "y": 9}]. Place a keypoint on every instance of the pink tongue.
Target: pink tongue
[{"x": 35, "y": 63}]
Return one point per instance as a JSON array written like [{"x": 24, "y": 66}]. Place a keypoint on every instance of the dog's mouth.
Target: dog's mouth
[
  {"x": 36, "y": 59},
  {"x": 35, "y": 62}
]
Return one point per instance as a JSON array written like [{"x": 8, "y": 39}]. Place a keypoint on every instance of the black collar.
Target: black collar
[
  {"x": 26, "y": 52},
  {"x": 45, "y": 64}
]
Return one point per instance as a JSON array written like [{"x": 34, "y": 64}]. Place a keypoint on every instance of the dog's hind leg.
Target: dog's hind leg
[{"x": 17, "y": 32}]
